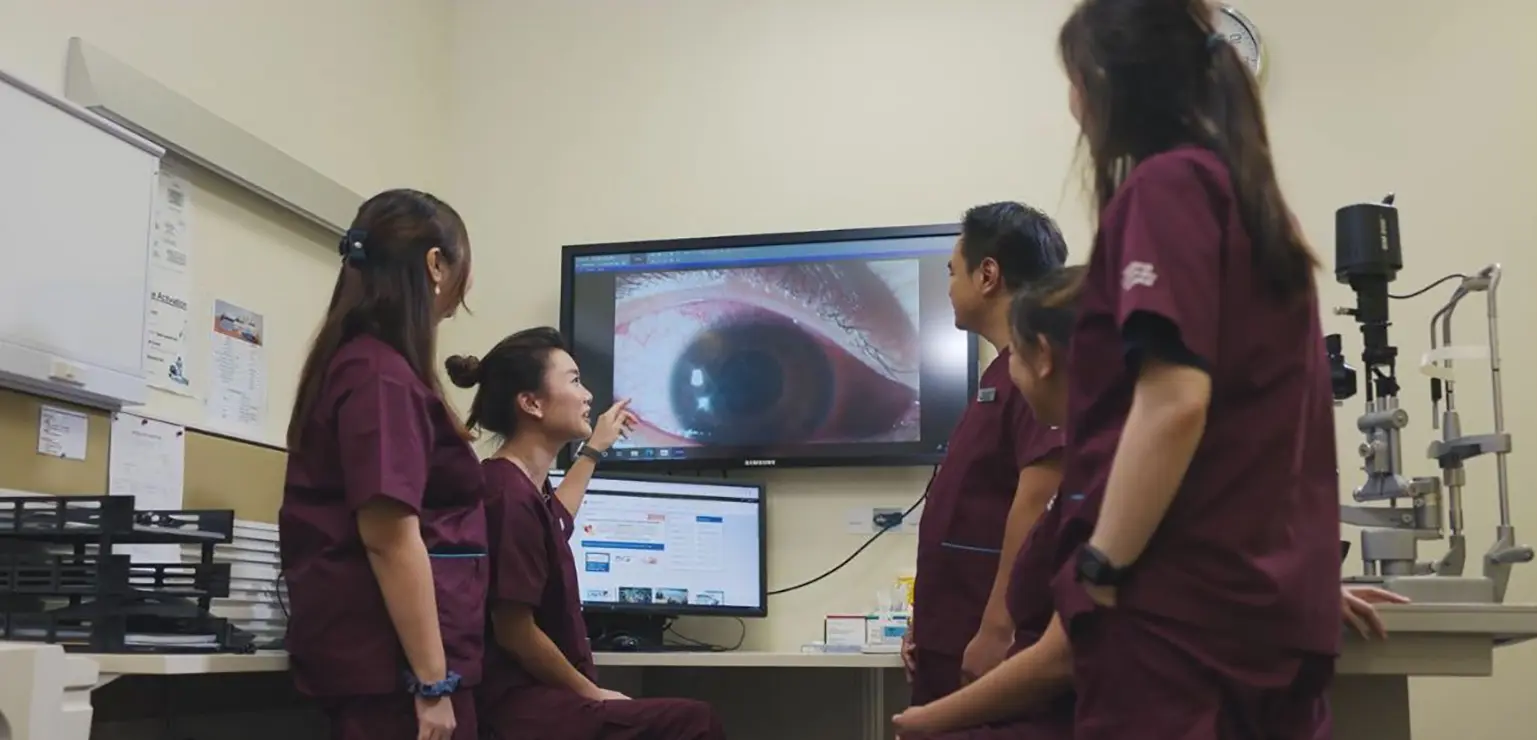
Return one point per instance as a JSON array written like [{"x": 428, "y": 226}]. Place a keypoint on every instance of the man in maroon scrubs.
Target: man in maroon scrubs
[
  {"x": 383, "y": 532},
  {"x": 999, "y": 471},
  {"x": 1206, "y": 600},
  {"x": 540, "y": 678}
]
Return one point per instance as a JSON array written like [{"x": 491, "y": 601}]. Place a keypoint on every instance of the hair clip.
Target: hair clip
[
  {"x": 1215, "y": 42},
  {"x": 351, "y": 246}
]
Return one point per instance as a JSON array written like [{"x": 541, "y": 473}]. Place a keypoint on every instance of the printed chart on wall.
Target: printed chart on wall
[
  {"x": 170, "y": 285},
  {"x": 237, "y": 383},
  {"x": 146, "y": 459}
]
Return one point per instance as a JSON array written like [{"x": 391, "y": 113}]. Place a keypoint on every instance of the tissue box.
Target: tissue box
[{"x": 844, "y": 631}]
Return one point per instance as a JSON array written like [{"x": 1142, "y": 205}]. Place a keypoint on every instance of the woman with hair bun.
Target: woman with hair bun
[
  {"x": 383, "y": 533},
  {"x": 540, "y": 678}
]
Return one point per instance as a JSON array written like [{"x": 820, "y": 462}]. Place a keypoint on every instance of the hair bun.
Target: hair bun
[{"x": 463, "y": 370}]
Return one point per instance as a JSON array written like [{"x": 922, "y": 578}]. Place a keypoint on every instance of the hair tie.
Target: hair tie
[
  {"x": 351, "y": 247},
  {"x": 1215, "y": 42}
]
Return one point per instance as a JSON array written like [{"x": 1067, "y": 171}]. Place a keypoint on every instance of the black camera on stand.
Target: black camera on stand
[{"x": 1367, "y": 256}]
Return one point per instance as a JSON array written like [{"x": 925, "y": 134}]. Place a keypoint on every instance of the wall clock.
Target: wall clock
[{"x": 1243, "y": 35}]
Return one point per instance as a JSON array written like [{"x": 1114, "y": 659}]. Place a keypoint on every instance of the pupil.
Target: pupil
[{"x": 753, "y": 382}]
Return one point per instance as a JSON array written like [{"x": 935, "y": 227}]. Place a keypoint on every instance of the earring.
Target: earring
[{"x": 437, "y": 290}]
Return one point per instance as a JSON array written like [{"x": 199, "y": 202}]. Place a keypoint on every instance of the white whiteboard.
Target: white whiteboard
[{"x": 75, "y": 199}]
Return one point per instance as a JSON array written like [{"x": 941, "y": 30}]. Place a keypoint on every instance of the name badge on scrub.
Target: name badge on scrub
[{"x": 987, "y": 395}]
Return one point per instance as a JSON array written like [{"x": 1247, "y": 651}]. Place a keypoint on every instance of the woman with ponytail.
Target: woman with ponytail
[
  {"x": 1030, "y": 695},
  {"x": 383, "y": 533},
  {"x": 1201, "y": 592}
]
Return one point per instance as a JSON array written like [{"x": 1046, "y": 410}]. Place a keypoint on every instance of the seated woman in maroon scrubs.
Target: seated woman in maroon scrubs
[
  {"x": 1029, "y": 697},
  {"x": 540, "y": 679},
  {"x": 383, "y": 532},
  {"x": 1206, "y": 600}
]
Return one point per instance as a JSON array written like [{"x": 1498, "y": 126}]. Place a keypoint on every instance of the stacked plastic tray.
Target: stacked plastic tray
[
  {"x": 64, "y": 579},
  {"x": 257, "y": 600}
]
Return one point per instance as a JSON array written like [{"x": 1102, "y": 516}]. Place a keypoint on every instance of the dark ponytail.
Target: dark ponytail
[
  {"x": 1152, "y": 76},
  {"x": 383, "y": 290},
  {"x": 1281, "y": 255}
]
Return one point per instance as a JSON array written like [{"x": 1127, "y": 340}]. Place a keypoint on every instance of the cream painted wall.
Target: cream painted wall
[
  {"x": 558, "y": 122},
  {"x": 350, "y": 87},
  {"x": 579, "y": 121}
]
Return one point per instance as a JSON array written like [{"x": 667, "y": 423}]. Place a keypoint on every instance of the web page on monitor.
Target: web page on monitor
[{"x": 665, "y": 550}]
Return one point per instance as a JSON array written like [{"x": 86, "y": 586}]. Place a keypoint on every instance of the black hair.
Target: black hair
[
  {"x": 383, "y": 289},
  {"x": 516, "y": 365},
  {"x": 1153, "y": 75},
  {"x": 1048, "y": 309},
  {"x": 1024, "y": 242}
]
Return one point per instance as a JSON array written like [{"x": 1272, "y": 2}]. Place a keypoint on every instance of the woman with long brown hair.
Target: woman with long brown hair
[
  {"x": 1030, "y": 695},
  {"x": 1204, "y": 598},
  {"x": 383, "y": 531}
]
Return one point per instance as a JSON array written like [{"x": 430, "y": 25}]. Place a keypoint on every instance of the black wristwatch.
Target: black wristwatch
[
  {"x": 591, "y": 453},
  {"x": 1095, "y": 569}
]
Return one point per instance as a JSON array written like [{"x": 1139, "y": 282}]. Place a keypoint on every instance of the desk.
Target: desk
[{"x": 1371, "y": 695}]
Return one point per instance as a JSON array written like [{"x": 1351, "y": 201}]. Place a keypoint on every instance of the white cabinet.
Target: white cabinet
[{"x": 76, "y": 196}]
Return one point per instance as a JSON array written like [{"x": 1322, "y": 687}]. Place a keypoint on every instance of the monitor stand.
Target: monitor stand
[{"x": 627, "y": 633}]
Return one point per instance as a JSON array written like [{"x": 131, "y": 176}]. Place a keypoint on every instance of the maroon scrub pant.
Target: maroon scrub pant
[
  {"x": 1134, "y": 683},
  {"x": 549, "y": 713},
  {"x": 1021, "y": 730},
  {"x": 935, "y": 676},
  {"x": 392, "y": 717}
]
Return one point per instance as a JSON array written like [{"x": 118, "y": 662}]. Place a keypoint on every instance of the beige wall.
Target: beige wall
[
  {"x": 353, "y": 88},
  {"x": 584, "y": 121},
  {"x": 559, "y": 122}
]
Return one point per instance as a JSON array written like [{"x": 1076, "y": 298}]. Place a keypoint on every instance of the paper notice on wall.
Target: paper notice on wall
[
  {"x": 237, "y": 377},
  {"x": 170, "y": 286},
  {"x": 147, "y": 460},
  {"x": 62, "y": 433}
]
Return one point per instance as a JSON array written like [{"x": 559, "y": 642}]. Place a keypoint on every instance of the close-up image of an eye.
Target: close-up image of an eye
[{"x": 807, "y": 353}]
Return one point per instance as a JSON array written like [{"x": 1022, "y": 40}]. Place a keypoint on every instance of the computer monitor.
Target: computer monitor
[
  {"x": 831, "y": 348},
  {"x": 651, "y": 548}
]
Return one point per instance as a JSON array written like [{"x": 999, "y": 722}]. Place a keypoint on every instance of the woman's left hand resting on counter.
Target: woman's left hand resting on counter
[{"x": 1358, "y": 605}]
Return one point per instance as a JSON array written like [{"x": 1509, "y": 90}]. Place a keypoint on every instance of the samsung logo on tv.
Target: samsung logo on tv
[{"x": 758, "y": 463}]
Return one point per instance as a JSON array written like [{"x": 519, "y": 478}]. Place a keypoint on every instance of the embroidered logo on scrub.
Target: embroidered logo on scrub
[{"x": 1138, "y": 273}]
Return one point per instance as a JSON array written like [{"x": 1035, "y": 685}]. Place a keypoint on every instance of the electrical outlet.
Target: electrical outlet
[{"x": 862, "y": 520}]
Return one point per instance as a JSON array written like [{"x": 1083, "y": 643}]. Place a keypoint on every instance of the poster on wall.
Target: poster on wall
[
  {"x": 146, "y": 459},
  {"x": 170, "y": 285},
  {"x": 237, "y": 377}
]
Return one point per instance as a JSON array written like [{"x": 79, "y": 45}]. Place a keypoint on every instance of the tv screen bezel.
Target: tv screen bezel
[
  {"x": 570, "y": 253},
  {"x": 694, "y": 610}
]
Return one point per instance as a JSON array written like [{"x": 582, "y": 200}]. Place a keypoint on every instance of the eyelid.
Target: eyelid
[{"x": 851, "y": 296}]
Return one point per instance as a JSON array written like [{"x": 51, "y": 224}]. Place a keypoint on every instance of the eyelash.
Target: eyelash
[{"x": 837, "y": 300}]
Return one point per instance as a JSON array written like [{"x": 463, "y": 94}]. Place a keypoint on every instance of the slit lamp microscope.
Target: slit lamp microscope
[{"x": 1368, "y": 256}]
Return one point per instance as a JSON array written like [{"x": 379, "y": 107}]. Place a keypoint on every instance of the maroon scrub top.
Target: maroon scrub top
[
  {"x": 1030, "y": 603},
  {"x": 1248, "y": 554},
  {"x": 532, "y": 564},
  {"x": 961, "y": 535},
  {"x": 377, "y": 432}
]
